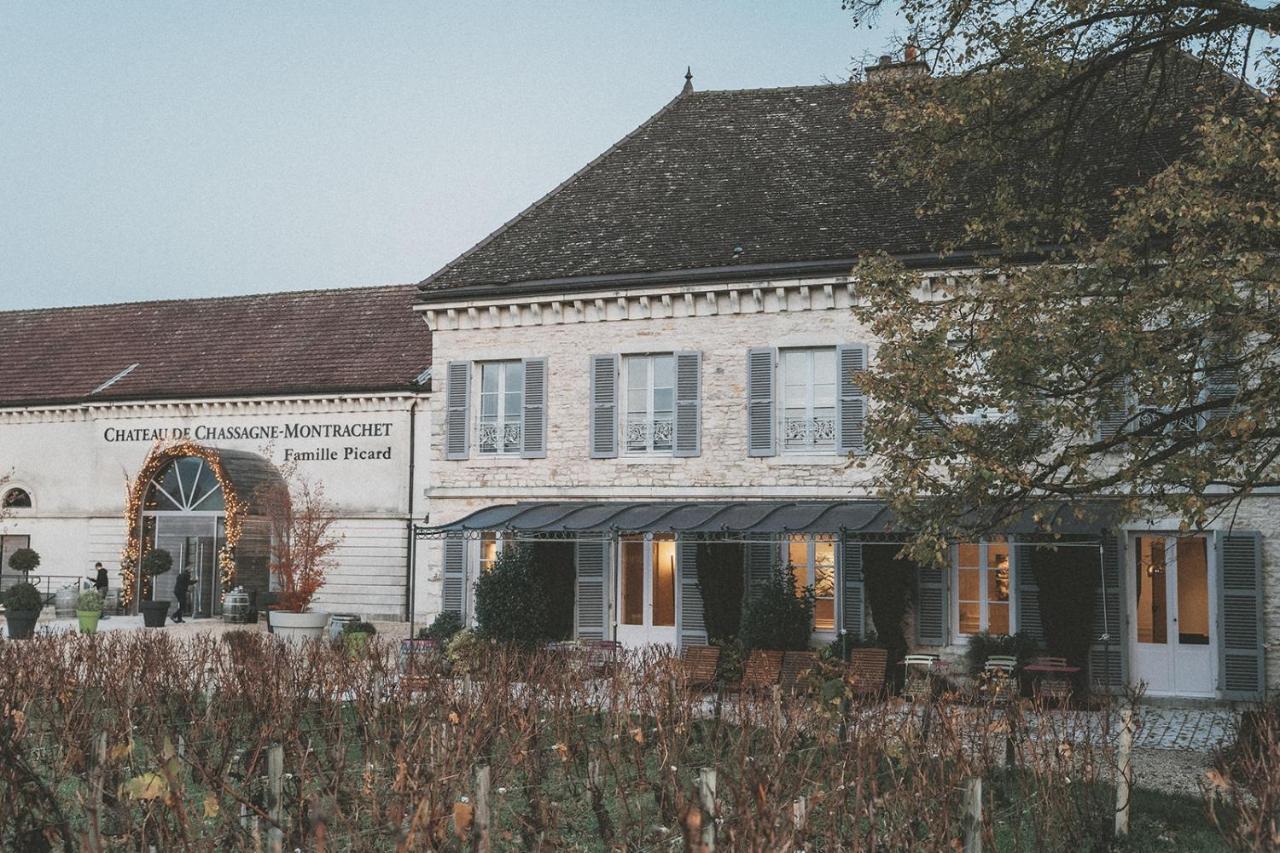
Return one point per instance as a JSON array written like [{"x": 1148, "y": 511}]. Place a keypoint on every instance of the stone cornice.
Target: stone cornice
[
  {"x": 671, "y": 302},
  {"x": 232, "y": 407}
]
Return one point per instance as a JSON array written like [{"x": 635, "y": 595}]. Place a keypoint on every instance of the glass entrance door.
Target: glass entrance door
[
  {"x": 1173, "y": 642},
  {"x": 647, "y": 590}
]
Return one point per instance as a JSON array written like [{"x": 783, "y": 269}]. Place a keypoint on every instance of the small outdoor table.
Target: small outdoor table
[{"x": 1056, "y": 674}]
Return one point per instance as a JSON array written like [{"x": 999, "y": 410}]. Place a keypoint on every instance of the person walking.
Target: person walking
[
  {"x": 180, "y": 587},
  {"x": 100, "y": 579}
]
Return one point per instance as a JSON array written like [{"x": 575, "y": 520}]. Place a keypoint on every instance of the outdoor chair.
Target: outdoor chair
[
  {"x": 795, "y": 667},
  {"x": 419, "y": 659},
  {"x": 603, "y": 657},
  {"x": 761, "y": 671},
  {"x": 917, "y": 682},
  {"x": 999, "y": 683},
  {"x": 866, "y": 670},
  {"x": 699, "y": 665},
  {"x": 1054, "y": 678}
]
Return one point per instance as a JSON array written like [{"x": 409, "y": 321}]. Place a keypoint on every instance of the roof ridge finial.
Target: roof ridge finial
[{"x": 688, "y": 80}]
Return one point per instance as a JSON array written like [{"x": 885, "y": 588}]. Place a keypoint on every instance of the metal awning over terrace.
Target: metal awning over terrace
[{"x": 869, "y": 519}]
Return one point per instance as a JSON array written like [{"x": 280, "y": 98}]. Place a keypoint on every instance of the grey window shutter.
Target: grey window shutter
[
  {"x": 590, "y": 560},
  {"x": 455, "y": 575},
  {"x": 457, "y": 403},
  {"x": 1027, "y": 592},
  {"x": 1114, "y": 410},
  {"x": 851, "y": 359},
  {"x": 852, "y": 589},
  {"x": 1108, "y": 656},
  {"x": 761, "y": 556},
  {"x": 604, "y": 407},
  {"x": 760, "y": 415},
  {"x": 1223, "y": 388},
  {"x": 1241, "y": 672},
  {"x": 931, "y": 605},
  {"x": 533, "y": 430},
  {"x": 692, "y": 627},
  {"x": 688, "y": 425}
]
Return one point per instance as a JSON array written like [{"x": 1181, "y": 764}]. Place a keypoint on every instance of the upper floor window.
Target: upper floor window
[
  {"x": 808, "y": 399},
  {"x": 983, "y": 571},
  {"x": 813, "y": 563},
  {"x": 16, "y": 498},
  {"x": 649, "y": 417},
  {"x": 500, "y": 428}
]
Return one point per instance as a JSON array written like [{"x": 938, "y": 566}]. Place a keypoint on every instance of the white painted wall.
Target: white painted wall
[{"x": 75, "y": 461}]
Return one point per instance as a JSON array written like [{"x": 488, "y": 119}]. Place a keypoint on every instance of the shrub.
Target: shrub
[
  {"x": 156, "y": 562},
  {"x": 465, "y": 652},
  {"x": 777, "y": 618},
  {"x": 359, "y": 628},
  {"x": 24, "y": 560},
  {"x": 23, "y": 596},
  {"x": 720, "y": 580},
  {"x": 302, "y": 520},
  {"x": 512, "y": 602},
  {"x": 842, "y": 646},
  {"x": 89, "y": 601},
  {"x": 729, "y": 667},
  {"x": 443, "y": 628},
  {"x": 984, "y": 645}
]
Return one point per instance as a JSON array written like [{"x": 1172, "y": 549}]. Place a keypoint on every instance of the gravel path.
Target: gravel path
[{"x": 1170, "y": 771}]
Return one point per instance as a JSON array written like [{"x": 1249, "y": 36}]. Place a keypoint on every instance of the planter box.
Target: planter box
[
  {"x": 88, "y": 620},
  {"x": 298, "y": 627},
  {"x": 153, "y": 613},
  {"x": 21, "y": 623}
]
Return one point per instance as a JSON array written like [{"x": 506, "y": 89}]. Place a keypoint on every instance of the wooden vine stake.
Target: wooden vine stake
[
  {"x": 275, "y": 798},
  {"x": 1124, "y": 772},
  {"x": 481, "y": 826},
  {"x": 707, "y": 798},
  {"x": 973, "y": 815}
]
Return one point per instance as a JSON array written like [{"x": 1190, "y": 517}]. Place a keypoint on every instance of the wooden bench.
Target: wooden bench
[
  {"x": 866, "y": 670},
  {"x": 1053, "y": 677},
  {"x": 699, "y": 665},
  {"x": 795, "y": 667},
  {"x": 761, "y": 671}
]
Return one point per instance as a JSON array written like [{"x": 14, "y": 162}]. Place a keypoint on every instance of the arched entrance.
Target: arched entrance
[
  {"x": 185, "y": 513},
  {"x": 200, "y": 504}
]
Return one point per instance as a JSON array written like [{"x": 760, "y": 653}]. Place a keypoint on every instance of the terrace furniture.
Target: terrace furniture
[
  {"x": 917, "y": 682},
  {"x": 761, "y": 671},
  {"x": 795, "y": 666},
  {"x": 998, "y": 681},
  {"x": 1053, "y": 677},
  {"x": 603, "y": 657},
  {"x": 866, "y": 670},
  {"x": 699, "y": 664},
  {"x": 418, "y": 659}
]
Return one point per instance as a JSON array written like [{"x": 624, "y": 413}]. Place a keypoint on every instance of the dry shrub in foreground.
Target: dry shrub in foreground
[{"x": 185, "y": 730}]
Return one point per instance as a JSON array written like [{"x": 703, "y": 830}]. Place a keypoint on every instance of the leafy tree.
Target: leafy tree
[
  {"x": 720, "y": 580},
  {"x": 512, "y": 601},
  {"x": 779, "y": 617},
  {"x": 1116, "y": 192},
  {"x": 24, "y": 560}
]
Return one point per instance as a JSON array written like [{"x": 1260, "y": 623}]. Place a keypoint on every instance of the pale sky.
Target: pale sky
[{"x": 157, "y": 149}]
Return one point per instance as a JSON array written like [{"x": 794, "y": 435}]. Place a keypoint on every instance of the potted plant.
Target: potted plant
[
  {"x": 24, "y": 560},
  {"x": 155, "y": 563},
  {"x": 302, "y": 546},
  {"x": 355, "y": 636},
  {"x": 22, "y": 606},
  {"x": 89, "y": 611}
]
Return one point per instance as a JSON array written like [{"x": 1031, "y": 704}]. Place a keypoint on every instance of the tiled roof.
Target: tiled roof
[
  {"x": 313, "y": 342},
  {"x": 721, "y": 182}
]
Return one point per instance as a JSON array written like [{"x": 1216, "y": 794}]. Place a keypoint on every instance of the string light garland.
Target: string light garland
[{"x": 162, "y": 454}]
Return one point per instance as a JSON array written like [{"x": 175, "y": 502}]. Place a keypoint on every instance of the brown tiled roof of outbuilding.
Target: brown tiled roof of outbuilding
[{"x": 351, "y": 340}]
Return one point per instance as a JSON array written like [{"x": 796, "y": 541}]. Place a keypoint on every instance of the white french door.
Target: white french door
[
  {"x": 1174, "y": 642},
  {"x": 647, "y": 590}
]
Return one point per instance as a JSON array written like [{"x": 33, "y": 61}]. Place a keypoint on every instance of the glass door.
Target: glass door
[
  {"x": 647, "y": 590},
  {"x": 1173, "y": 636}
]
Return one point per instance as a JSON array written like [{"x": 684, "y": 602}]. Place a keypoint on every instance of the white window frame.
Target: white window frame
[
  {"x": 780, "y": 381},
  {"x": 625, "y": 407},
  {"x": 501, "y": 448},
  {"x": 984, "y": 599},
  {"x": 811, "y": 573}
]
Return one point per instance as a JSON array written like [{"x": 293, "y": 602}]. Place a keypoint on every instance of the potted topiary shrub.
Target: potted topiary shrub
[
  {"x": 154, "y": 564},
  {"x": 22, "y": 606},
  {"x": 24, "y": 560},
  {"x": 355, "y": 636},
  {"x": 89, "y": 611}
]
